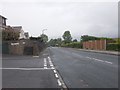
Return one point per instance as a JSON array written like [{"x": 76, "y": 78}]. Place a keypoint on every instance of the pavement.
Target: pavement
[
  {"x": 101, "y": 51},
  {"x": 61, "y": 68},
  {"x": 29, "y": 72}
]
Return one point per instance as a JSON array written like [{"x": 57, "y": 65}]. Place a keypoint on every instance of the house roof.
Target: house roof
[
  {"x": 17, "y": 28},
  {"x": 3, "y": 17}
]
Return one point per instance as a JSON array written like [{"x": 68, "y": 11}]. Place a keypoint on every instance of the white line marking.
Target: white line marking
[
  {"x": 100, "y": 60},
  {"x": 56, "y": 75},
  {"x": 25, "y": 68},
  {"x": 45, "y": 63},
  {"x": 88, "y": 57},
  {"x": 35, "y": 56},
  {"x": 109, "y": 62},
  {"x": 59, "y": 83},
  {"x": 54, "y": 71},
  {"x": 52, "y": 67},
  {"x": 50, "y": 62},
  {"x": 45, "y": 67},
  {"x": 49, "y": 58}
]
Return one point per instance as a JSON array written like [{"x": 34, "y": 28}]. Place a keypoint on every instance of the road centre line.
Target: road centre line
[
  {"x": 88, "y": 57},
  {"x": 100, "y": 60},
  {"x": 109, "y": 62}
]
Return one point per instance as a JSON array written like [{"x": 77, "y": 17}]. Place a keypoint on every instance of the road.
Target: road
[{"x": 61, "y": 67}]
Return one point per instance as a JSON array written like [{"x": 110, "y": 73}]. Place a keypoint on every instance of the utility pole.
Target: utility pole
[{"x": 43, "y": 31}]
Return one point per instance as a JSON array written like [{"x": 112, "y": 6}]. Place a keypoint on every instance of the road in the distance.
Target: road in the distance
[{"x": 81, "y": 69}]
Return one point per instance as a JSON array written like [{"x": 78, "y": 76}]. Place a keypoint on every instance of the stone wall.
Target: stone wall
[{"x": 22, "y": 47}]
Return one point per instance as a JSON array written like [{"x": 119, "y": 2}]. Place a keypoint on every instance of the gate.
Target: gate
[
  {"x": 5, "y": 48},
  {"x": 28, "y": 50}
]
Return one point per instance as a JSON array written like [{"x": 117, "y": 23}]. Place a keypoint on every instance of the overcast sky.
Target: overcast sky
[{"x": 80, "y": 18}]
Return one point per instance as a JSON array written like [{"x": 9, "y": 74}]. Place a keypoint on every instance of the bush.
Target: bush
[
  {"x": 10, "y": 34},
  {"x": 113, "y": 46},
  {"x": 73, "y": 45}
]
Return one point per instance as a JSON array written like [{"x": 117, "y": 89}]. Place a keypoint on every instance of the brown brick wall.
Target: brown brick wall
[{"x": 95, "y": 45}]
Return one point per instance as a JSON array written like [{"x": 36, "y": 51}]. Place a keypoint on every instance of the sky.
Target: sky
[{"x": 80, "y": 17}]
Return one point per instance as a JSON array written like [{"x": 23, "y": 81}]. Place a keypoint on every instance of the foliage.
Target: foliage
[
  {"x": 117, "y": 40},
  {"x": 88, "y": 38},
  {"x": 55, "y": 42},
  {"x": 73, "y": 45},
  {"x": 113, "y": 46},
  {"x": 10, "y": 34},
  {"x": 36, "y": 38},
  {"x": 44, "y": 37},
  {"x": 75, "y": 40},
  {"x": 67, "y": 37}
]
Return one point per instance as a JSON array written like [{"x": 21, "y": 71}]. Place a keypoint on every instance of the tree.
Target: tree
[
  {"x": 10, "y": 34},
  {"x": 44, "y": 37},
  {"x": 87, "y": 38},
  {"x": 67, "y": 37},
  {"x": 75, "y": 40},
  {"x": 55, "y": 42}
]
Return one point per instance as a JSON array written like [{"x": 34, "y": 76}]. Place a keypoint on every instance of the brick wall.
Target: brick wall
[
  {"x": 95, "y": 45},
  {"x": 18, "y": 47}
]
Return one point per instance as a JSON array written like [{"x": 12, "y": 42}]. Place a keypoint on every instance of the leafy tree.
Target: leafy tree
[
  {"x": 10, "y": 34},
  {"x": 44, "y": 37},
  {"x": 36, "y": 38},
  {"x": 55, "y": 42},
  {"x": 59, "y": 41},
  {"x": 67, "y": 37},
  {"x": 87, "y": 38},
  {"x": 75, "y": 40}
]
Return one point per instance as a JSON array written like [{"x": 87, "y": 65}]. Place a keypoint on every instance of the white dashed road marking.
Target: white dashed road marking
[
  {"x": 35, "y": 56},
  {"x": 55, "y": 71},
  {"x": 59, "y": 83},
  {"x": 109, "y": 62},
  {"x": 56, "y": 75},
  {"x": 45, "y": 63},
  {"x": 99, "y": 60}
]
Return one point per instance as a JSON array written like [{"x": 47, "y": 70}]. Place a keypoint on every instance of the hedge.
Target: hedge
[
  {"x": 73, "y": 45},
  {"x": 113, "y": 46}
]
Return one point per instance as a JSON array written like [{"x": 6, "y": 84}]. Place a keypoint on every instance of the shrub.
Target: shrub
[
  {"x": 10, "y": 34},
  {"x": 113, "y": 46},
  {"x": 73, "y": 45}
]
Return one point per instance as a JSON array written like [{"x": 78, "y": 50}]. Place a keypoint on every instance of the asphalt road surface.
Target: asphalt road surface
[{"x": 60, "y": 68}]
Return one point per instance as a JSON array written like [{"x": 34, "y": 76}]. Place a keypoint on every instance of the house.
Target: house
[
  {"x": 20, "y": 30},
  {"x": 26, "y": 35},
  {"x": 2, "y": 22}
]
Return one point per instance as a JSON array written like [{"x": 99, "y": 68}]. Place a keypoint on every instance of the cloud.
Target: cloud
[{"x": 92, "y": 18}]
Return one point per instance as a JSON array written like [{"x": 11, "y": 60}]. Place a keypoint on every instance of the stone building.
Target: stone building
[
  {"x": 2, "y": 22},
  {"x": 20, "y": 30}
]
